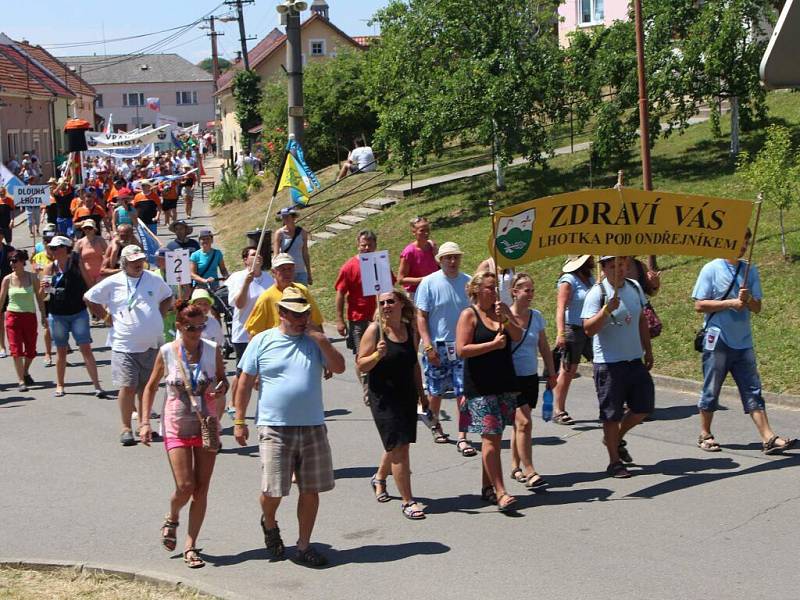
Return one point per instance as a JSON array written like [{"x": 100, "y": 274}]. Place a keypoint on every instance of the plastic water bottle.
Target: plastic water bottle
[{"x": 547, "y": 404}]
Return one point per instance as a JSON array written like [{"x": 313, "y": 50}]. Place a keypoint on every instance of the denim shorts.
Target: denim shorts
[
  {"x": 62, "y": 325},
  {"x": 448, "y": 375},
  {"x": 623, "y": 383},
  {"x": 741, "y": 364}
]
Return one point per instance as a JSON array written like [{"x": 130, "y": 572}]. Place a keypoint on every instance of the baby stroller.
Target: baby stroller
[{"x": 225, "y": 313}]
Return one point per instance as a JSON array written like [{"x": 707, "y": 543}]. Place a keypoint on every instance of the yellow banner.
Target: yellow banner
[{"x": 620, "y": 222}]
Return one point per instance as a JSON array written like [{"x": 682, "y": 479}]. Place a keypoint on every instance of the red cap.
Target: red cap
[{"x": 124, "y": 192}]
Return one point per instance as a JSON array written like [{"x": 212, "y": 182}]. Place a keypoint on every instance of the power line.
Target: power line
[
  {"x": 149, "y": 49},
  {"x": 122, "y": 39}
]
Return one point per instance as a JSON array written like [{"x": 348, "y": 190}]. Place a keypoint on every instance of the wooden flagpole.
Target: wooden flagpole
[
  {"x": 269, "y": 210},
  {"x": 494, "y": 248},
  {"x": 753, "y": 238}
]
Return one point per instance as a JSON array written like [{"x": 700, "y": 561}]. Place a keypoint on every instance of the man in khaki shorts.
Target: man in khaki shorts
[{"x": 288, "y": 360}]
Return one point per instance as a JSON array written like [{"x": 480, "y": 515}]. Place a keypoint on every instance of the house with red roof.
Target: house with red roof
[
  {"x": 320, "y": 39},
  {"x": 38, "y": 93}
]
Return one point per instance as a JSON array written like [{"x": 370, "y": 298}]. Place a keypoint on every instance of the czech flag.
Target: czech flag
[
  {"x": 153, "y": 103},
  {"x": 296, "y": 179}
]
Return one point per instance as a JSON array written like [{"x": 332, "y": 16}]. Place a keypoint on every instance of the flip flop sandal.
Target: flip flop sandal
[
  {"x": 383, "y": 496},
  {"x": 488, "y": 495},
  {"x": 311, "y": 558},
  {"x": 770, "y": 447},
  {"x": 465, "y": 448},
  {"x": 518, "y": 475},
  {"x": 535, "y": 482},
  {"x": 618, "y": 471},
  {"x": 563, "y": 418},
  {"x": 707, "y": 443},
  {"x": 508, "y": 506},
  {"x": 168, "y": 537},
  {"x": 412, "y": 513},
  {"x": 439, "y": 436},
  {"x": 192, "y": 559}
]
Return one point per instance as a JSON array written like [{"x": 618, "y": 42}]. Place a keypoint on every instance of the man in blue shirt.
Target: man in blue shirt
[
  {"x": 726, "y": 293},
  {"x": 288, "y": 361},
  {"x": 612, "y": 313},
  {"x": 440, "y": 298}
]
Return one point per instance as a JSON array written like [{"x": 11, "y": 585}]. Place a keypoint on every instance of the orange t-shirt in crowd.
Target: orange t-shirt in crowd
[
  {"x": 75, "y": 204},
  {"x": 111, "y": 194},
  {"x": 82, "y": 212},
  {"x": 169, "y": 190},
  {"x": 153, "y": 195}
]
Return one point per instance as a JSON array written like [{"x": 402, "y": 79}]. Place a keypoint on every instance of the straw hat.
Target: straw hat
[
  {"x": 447, "y": 249},
  {"x": 573, "y": 263},
  {"x": 294, "y": 301}
]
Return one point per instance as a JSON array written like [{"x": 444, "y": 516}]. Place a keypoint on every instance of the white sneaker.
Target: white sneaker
[{"x": 135, "y": 416}]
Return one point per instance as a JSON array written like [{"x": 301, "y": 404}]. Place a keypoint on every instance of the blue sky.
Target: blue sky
[{"x": 58, "y": 22}]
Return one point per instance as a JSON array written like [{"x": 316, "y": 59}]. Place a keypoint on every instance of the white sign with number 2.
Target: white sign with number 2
[
  {"x": 177, "y": 267},
  {"x": 376, "y": 273}
]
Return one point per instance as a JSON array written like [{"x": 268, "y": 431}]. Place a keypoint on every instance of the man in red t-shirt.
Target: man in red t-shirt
[{"x": 360, "y": 308}]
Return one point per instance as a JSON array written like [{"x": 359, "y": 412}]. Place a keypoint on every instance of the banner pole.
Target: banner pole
[
  {"x": 494, "y": 248},
  {"x": 753, "y": 238},
  {"x": 269, "y": 210}
]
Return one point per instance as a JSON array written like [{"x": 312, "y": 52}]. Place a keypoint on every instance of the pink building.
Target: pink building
[
  {"x": 576, "y": 14},
  {"x": 123, "y": 84}
]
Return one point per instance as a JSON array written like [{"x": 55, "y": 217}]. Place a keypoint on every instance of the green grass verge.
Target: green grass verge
[{"x": 694, "y": 162}]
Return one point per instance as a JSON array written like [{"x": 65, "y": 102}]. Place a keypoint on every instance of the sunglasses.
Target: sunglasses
[
  {"x": 195, "y": 327},
  {"x": 389, "y": 302}
]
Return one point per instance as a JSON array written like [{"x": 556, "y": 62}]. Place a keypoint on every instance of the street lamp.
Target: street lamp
[{"x": 290, "y": 13}]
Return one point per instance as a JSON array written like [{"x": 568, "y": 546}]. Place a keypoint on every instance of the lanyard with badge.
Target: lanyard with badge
[
  {"x": 193, "y": 375},
  {"x": 126, "y": 314}
]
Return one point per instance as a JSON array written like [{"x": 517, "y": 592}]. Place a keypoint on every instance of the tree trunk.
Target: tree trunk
[
  {"x": 783, "y": 235},
  {"x": 734, "y": 126}
]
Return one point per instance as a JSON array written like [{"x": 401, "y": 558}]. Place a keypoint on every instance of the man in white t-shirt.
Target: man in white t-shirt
[
  {"x": 134, "y": 302},
  {"x": 360, "y": 160},
  {"x": 244, "y": 288}
]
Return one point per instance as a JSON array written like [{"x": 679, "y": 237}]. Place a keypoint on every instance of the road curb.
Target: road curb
[
  {"x": 675, "y": 384},
  {"x": 728, "y": 392},
  {"x": 154, "y": 578}
]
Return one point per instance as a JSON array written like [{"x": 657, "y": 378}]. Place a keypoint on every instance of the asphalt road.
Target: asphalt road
[{"x": 687, "y": 525}]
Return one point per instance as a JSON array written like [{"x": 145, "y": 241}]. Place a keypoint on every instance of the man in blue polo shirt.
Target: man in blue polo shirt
[
  {"x": 288, "y": 360},
  {"x": 440, "y": 298},
  {"x": 612, "y": 313},
  {"x": 726, "y": 299}
]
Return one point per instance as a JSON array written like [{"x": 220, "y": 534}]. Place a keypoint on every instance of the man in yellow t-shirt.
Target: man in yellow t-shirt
[{"x": 265, "y": 312}]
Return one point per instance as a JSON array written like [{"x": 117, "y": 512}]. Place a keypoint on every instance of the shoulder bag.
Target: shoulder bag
[
  {"x": 701, "y": 333},
  {"x": 209, "y": 426}
]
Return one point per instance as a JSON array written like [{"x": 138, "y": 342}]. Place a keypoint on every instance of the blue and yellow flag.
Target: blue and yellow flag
[{"x": 296, "y": 179}]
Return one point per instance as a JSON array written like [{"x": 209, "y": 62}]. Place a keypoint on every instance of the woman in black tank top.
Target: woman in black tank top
[
  {"x": 394, "y": 384},
  {"x": 483, "y": 340}
]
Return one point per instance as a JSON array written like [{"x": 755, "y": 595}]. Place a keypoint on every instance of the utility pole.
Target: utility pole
[
  {"x": 242, "y": 37},
  {"x": 215, "y": 74},
  {"x": 214, "y": 54},
  {"x": 294, "y": 63},
  {"x": 644, "y": 111}
]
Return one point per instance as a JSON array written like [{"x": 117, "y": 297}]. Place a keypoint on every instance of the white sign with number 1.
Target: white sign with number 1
[
  {"x": 177, "y": 267},
  {"x": 376, "y": 274}
]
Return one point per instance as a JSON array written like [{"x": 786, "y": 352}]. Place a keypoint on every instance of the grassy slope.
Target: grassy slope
[{"x": 694, "y": 162}]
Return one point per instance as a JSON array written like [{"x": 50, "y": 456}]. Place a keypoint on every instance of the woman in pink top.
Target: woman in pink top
[
  {"x": 418, "y": 259},
  {"x": 195, "y": 378}
]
